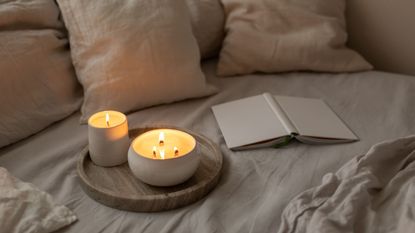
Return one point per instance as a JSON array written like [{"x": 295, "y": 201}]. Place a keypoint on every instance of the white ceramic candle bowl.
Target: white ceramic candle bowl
[
  {"x": 168, "y": 168},
  {"x": 108, "y": 138}
]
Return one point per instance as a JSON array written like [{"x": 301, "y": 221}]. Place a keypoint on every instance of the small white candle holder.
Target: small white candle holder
[
  {"x": 108, "y": 138},
  {"x": 164, "y": 157}
]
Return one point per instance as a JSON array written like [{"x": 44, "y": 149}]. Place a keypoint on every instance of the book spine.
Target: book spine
[{"x": 282, "y": 116}]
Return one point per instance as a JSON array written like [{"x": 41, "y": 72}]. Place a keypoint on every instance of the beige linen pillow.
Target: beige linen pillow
[
  {"x": 208, "y": 21},
  {"x": 133, "y": 54},
  {"x": 37, "y": 83},
  {"x": 29, "y": 14},
  {"x": 286, "y": 35}
]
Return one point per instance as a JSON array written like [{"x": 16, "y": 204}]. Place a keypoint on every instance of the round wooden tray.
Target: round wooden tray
[{"x": 117, "y": 187}]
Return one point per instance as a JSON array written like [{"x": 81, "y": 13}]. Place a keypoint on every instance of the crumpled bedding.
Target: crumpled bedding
[
  {"x": 371, "y": 193},
  {"x": 255, "y": 185},
  {"x": 24, "y": 208}
]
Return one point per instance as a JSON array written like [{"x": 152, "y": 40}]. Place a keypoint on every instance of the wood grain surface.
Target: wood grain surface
[{"x": 117, "y": 187}]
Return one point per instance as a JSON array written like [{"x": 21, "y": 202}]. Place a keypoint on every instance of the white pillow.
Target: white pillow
[
  {"x": 286, "y": 35},
  {"x": 133, "y": 54},
  {"x": 37, "y": 85},
  {"x": 208, "y": 21},
  {"x": 24, "y": 208}
]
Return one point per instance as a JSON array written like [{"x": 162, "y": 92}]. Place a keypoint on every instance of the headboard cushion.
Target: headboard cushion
[{"x": 383, "y": 32}]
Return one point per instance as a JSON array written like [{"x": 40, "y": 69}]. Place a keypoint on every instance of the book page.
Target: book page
[
  {"x": 314, "y": 118},
  {"x": 247, "y": 121},
  {"x": 282, "y": 116}
]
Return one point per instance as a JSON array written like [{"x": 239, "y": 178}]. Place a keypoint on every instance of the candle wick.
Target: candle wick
[
  {"x": 176, "y": 151},
  {"x": 161, "y": 139},
  {"x": 154, "y": 152},
  {"x": 107, "y": 119}
]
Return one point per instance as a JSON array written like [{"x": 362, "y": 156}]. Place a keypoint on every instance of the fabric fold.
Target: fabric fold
[
  {"x": 370, "y": 193},
  {"x": 24, "y": 208}
]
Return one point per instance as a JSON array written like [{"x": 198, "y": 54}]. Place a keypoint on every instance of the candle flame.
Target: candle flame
[
  {"x": 162, "y": 154},
  {"x": 107, "y": 119},
  {"x": 161, "y": 138},
  {"x": 154, "y": 151},
  {"x": 176, "y": 151}
]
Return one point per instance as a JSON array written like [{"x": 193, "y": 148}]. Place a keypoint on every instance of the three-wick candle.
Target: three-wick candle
[
  {"x": 163, "y": 157},
  {"x": 108, "y": 138}
]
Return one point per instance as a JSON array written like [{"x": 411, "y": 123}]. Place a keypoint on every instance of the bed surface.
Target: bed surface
[{"x": 255, "y": 185}]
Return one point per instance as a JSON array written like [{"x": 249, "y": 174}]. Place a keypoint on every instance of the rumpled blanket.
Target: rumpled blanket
[
  {"x": 371, "y": 193},
  {"x": 24, "y": 208}
]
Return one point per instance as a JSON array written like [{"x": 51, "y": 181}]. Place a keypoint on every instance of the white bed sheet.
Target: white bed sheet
[{"x": 255, "y": 185}]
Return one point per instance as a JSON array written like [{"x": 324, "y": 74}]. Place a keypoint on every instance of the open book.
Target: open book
[{"x": 267, "y": 120}]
